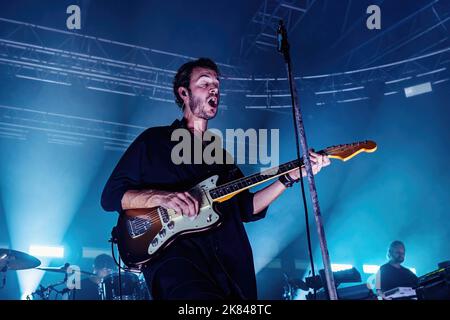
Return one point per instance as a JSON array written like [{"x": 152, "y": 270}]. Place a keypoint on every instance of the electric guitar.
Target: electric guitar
[{"x": 144, "y": 233}]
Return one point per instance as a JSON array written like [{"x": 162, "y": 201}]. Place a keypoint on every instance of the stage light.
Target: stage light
[
  {"x": 413, "y": 270},
  {"x": 88, "y": 252},
  {"x": 41, "y": 173},
  {"x": 418, "y": 89},
  {"x": 398, "y": 80},
  {"x": 340, "y": 267},
  {"x": 26, "y": 296},
  {"x": 370, "y": 268},
  {"x": 431, "y": 72},
  {"x": 46, "y": 251}
]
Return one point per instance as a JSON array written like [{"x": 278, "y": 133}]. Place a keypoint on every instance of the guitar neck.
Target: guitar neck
[
  {"x": 343, "y": 152},
  {"x": 226, "y": 191}
]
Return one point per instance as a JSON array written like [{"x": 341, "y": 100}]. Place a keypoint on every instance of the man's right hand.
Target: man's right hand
[{"x": 182, "y": 202}]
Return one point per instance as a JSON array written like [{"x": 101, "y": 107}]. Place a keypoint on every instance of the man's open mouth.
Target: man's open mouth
[{"x": 212, "y": 101}]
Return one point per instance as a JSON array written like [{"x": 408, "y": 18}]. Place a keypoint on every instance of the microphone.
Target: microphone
[
  {"x": 282, "y": 42},
  {"x": 280, "y": 36}
]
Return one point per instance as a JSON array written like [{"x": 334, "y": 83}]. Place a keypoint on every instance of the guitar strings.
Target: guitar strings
[
  {"x": 140, "y": 221},
  {"x": 285, "y": 166},
  {"x": 243, "y": 179},
  {"x": 153, "y": 215}
]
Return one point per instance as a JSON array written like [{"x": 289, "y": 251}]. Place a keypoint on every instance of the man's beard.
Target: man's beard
[
  {"x": 398, "y": 260},
  {"x": 195, "y": 104}
]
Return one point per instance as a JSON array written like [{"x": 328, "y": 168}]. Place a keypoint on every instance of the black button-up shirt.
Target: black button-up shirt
[{"x": 224, "y": 253}]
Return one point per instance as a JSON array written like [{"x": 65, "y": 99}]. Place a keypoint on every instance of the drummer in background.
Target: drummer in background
[{"x": 89, "y": 287}]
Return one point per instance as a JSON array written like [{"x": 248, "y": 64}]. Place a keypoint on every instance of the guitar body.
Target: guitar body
[{"x": 143, "y": 233}]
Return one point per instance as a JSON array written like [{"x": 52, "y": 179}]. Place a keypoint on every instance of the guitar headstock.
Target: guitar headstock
[{"x": 345, "y": 152}]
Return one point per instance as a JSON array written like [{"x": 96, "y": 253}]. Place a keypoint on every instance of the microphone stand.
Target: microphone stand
[
  {"x": 44, "y": 292},
  {"x": 283, "y": 47}
]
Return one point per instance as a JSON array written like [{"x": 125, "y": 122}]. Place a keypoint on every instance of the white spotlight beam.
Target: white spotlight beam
[
  {"x": 46, "y": 251},
  {"x": 340, "y": 267},
  {"x": 370, "y": 268}
]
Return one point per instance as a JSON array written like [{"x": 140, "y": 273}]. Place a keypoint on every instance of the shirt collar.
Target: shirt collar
[{"x": 179, "y": 123}]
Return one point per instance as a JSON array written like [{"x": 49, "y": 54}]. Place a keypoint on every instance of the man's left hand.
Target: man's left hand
[{"x": 318, "y": 161}]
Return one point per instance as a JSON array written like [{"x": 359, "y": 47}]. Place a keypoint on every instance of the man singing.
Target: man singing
[{"x": 217, "y": 264}]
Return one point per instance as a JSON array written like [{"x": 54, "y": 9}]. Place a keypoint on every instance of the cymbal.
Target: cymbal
[
  {"x": 16, "y": 260},
  {"x": 64, "y": 270}
]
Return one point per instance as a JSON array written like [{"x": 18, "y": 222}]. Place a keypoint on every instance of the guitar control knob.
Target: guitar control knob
[
  {"x": 170, "y": 225},
  {"x": 155, "y": 242},
  {"x": 162, "y": 233}
]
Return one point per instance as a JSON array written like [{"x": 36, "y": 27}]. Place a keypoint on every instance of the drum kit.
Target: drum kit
[{"x": 123, "y": 285}]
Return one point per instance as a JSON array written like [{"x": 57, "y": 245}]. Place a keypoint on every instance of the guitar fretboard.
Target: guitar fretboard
[
  {"x": 344, "y": 151},
  {"x": 247, "y": 182}
]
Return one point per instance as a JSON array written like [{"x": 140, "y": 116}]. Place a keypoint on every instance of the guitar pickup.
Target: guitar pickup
[{"x": 164, "y": 214}]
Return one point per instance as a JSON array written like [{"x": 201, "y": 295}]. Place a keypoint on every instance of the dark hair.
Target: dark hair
[
  {"x": 104, "y": 261},
  {"x": 183, "y": 76},
  {"x": 396, "y": 243}
]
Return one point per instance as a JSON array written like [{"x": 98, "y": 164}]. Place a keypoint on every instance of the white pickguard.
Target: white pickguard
[{"x": 181, "y": 224}]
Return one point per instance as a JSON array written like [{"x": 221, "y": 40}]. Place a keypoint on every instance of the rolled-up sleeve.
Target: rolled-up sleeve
[
  {"x": 125, "y": 176},
  {"x": 245, "y": 201}
]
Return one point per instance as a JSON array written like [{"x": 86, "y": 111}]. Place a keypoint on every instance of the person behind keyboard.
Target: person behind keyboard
[{"x": 392, "y": 274}]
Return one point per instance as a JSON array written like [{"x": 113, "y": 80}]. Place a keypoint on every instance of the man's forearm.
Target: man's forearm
[
  {"x": 139, "y": 199},
  {"x": 263, "y": 198}
]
